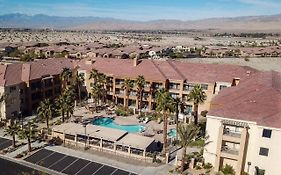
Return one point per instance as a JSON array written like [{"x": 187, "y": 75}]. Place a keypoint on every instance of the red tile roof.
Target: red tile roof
[
  {"x": 173, "y": 70},
  {"x": 257, "y": 99},
  {"x": 16, "y": 73}
]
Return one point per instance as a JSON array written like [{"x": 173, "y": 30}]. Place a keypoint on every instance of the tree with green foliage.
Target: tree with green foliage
[
  {"x": 165, "y": 106},
  {"x": 187, "y": 134},
  {"x": 65, "y": 76},
  {"x": 79, "y": 81},
  {"x": 228, "y": 170},
  {"x": 29, "y": 132},
  {"x": 12, "y": 130},
  {"x": 179, "y": 107},
  {"x": 197, "y": 96},
  {"x": 45, "y": 111},
  {"x": 140, "y": 82},
  {"x": 127, "y": 86}
]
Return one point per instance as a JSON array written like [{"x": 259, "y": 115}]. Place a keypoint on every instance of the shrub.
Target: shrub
[
  {"x": 228, "y": 170},
  {"x": 197, "y": 167},
  {"x": 246, "y": 59},
  {"x": 208, "y": 166}
]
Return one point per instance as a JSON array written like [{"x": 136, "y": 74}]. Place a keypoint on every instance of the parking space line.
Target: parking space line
[
  {"x": 98, "y": 170},
  {"x": 83, "y": 168},
  {"x": 45, "y": 157},
  {"x": 114, "y": 171},
  {"x": 70, "y": 164},
  {"x": 57, "y": 161}
]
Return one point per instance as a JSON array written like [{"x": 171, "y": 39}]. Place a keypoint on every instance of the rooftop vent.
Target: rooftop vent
[{"x": 90, "y": 61}]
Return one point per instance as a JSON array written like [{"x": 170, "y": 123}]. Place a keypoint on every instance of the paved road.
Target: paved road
[{"x": 12, "y": 168}]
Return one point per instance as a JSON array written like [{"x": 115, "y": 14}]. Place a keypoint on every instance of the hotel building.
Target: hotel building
[
  {"x": 26, "y": 84},
  {"x": 244, "y": 126},
  {"x": 177, "y": 77}
]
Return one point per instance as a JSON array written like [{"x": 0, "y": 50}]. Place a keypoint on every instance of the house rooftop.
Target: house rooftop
[
  {"x": 257, "y": 99},
  {"x": 161, "y": 70}
]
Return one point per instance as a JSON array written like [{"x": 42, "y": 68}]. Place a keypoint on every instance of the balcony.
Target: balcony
[
  {"x": 229, "y": 152},
  {"x": 231, "y": 136}
]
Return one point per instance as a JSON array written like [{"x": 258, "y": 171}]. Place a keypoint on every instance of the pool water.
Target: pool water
[
  {"x": 108, "y": 122},
  {"x": 172, "y": 133}
]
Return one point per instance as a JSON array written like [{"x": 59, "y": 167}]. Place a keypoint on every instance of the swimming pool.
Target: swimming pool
[
  {"x": 108, "y": 122},
  {"x": 172, "y": 133}
]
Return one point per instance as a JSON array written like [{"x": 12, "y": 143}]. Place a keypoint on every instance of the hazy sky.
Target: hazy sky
[{"x": 143, "y": 9}]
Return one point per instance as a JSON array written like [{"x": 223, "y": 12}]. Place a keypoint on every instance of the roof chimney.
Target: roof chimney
[
  {"x": 90, "y": 61},
  {"x": 248, "y": 73},
  {"x": 136, "y": 60}
]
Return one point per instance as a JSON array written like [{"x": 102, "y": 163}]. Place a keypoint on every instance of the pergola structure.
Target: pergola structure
[{"x": 105, "y": 139}]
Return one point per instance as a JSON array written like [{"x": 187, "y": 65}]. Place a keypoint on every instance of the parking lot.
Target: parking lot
[
  {"x": 5, "y": 143},
  {"x": 72, "y": 165}
]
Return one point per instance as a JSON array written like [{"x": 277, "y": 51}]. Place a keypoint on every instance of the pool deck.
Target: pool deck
[{"x": 150, "y": 127}]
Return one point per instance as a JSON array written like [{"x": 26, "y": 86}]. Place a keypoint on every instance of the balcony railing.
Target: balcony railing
[
  {"x": 231, "y": 133},
  {"x": 227, "y": 149}
]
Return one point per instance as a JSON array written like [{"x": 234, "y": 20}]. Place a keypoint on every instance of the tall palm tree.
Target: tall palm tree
[
  {"x": 61, "y": 104},
  {"x": 29, "y": 133},
  {"x": 94, "y": 75},
  {"x": 79, "y": 81},
  {"x": 164, "y": 105},
  {"x": 187, "y": 134},
  {"x": 127, "y": 86},
  {"x": 179, "y": 107},
  {"x": 12, "y": 130},
  {"x": 69, "y": 96},
  {"x": 197, "y": 96},
  {"x": 102, "y": 83},
  {"x": 65, "y": 76},
  {"x": 96, "y": 93},
  {"x": 140, "y": 89},
  {"x": 45, "y": 111}
]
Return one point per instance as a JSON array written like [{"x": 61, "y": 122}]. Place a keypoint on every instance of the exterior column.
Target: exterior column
[
  {"x": 217, "y": 164},
  {"x": 100, "y": 143},
  {"x": 114, "y": 147},
  {"x": 75, "y": 139},
  {"x": 144, "y": 152},
  {"x": 241, "y": 160},
  {"x": 63, "y": 137},
  {"x": 129, "y": 150}
]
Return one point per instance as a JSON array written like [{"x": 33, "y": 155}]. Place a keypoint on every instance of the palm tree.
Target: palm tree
[
  {"x": 96, "y": 93},
  {"x": 140, "y": 89},
  {"x": 102, "y": 83},
  {"x": 79, "y": 81},
  {"x": 197, "y": 96},
  {"x": 94, "y": 75},
  {"x": 65, "y": 76},
  {"x": 187, "y": 134},
  {"x": 29, "y": 132},
  {"x": 69, "y": 99},
  {"x": 179, "y": 107},
  {"x": 61, "y": 104},
  {"x": 45, "y": 111},
  {"x": 12, "y": 130},
  {"x": 127, "y": 86},
  {"x": 164, "y": 105}
]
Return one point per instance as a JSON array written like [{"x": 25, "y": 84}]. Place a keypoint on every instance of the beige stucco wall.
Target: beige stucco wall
[{"x": 270, "y": 164}]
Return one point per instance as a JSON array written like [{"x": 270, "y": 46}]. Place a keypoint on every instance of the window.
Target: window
[
  {"x": 222, "y": 87},
  {"x": 13, "y": 88},
  {"x": 204, "y": 86},
  {"x": 264, "y": 151},
  {"x": 266, "y": 133}
]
